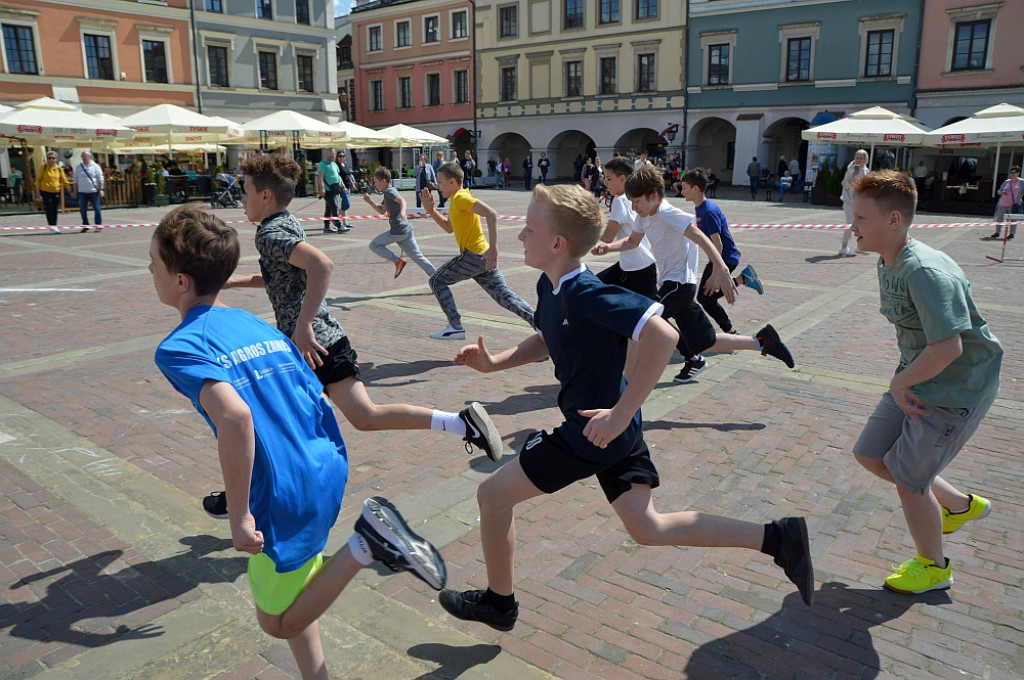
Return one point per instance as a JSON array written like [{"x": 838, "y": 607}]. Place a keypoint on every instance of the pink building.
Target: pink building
[
  {"x": 971, "y": 58},
  {"x": 413, "y": 65}
]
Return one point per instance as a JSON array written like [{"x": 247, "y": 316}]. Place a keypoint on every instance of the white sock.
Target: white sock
[
  {"x": 443, "y": 421},
  {"x": 758, "y": 343},
  {"x": 360, "y": 550}
]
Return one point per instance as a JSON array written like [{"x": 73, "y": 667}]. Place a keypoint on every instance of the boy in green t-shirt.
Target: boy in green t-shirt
[
  {"x": 946, "y": 380},
  {"x": 477, "y": 259}
]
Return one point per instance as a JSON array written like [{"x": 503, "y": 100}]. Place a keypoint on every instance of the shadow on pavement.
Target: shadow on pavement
[
  {"x": 831, "y": 639},
  {"x": 454, "y": 660},
  {"x": 82, "y": 593},
  {"x": 403, "y": 369},
  {"x": 721, "y": 427},
  {"x": 826, "y": 258}
]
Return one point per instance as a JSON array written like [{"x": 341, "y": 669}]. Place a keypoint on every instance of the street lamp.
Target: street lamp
[{"x": 670, "y": 133}]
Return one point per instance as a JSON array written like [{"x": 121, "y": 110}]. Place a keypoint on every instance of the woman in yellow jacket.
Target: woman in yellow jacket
[{"x": 50, "y": 181}]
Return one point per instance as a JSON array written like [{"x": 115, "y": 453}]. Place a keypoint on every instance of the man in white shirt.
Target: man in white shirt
[{"x": 89, "y": 186}]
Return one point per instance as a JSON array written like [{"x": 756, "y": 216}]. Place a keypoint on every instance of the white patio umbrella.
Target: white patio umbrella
[
  {"x": 359, "y": 137},
  {"x": 175, "y": 126},
  {"x": 875, "y": 125},
  {"x": 404, "y": 135},
  {"x": 48, "y": 121},
  {"x": 281, "y": 128},
  {"x": 995, "y": 126}
]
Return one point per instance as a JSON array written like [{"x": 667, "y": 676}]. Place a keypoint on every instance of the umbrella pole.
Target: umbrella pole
[{"x": 995, "y": 168}]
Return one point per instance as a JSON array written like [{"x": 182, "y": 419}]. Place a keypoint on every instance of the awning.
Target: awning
[{"x": 457, "y": 131}]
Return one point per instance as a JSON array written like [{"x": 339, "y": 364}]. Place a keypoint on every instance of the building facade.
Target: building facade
[
  {"x": 759, "y": 71},
  {"x": 577, "y": 78},
  {"x": 413, "y": 65}
]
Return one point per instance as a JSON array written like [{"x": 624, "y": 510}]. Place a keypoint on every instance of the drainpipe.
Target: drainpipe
[
  {"x": 686, "y": 80},
  {"x": 474, "y": 133},
  {"x": 195, "y": 54},
  {"x": 917, "y": 61}
]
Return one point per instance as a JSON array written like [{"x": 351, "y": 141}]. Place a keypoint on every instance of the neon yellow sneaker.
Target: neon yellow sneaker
[
  {"x": 952, "y": 521},
  {"x": 919, "y": 575}
]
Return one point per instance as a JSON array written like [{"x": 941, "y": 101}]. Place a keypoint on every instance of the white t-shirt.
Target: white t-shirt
[
  {"x": 675, "y": 253},
  {"x": 640, "y": 257}
]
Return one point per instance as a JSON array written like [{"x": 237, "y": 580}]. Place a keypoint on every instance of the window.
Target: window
[
  {"x": 461, "y": 87},
  {"x": 99, "y": 61},
  {"x": 403, "y": 33},
  {"x": 646, "y": 9},
  {"x": 878, "y": 61},
  {"x": 646, "y": 80},
  {"x": 433, "y": 89},
  {"x": 432, "y": 29},
  {"x": 154, "y": 57},
  {"x": 574, "y": 79},
  {"x": 304, "y": 66},
  {"x": 264, "y": 9},
  {"x": 970, "y": 45},
  {"x": 345, "y": 55},
  {"x": 376, "y": 95},
  {"x": 217, "y": 58},
  {"x": 405, "y": 92},
  {"x": 508, "y": 25},
  {"x": 573, "y": 14},
  {"x": 508, "y": 84},
  {"x": 607, "y": 76},
  {"x": 374, "y": 39},
  {"x": 718, "y": 64},
  {"x": 268, "y": 71},
  {"x": 20, "y": 50},
  {"x": 609, "y": 11},
  {"x": 214, "y": 6},
  {"x": 302, "y": 12},
  {"x": 460, "y": 24},
  {"x": 798, "y": 59}
]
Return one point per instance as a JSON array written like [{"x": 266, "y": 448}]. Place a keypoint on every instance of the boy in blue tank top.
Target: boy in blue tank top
[
  {"x": 945, "y": 382},
  {"x": 584, "y": 326},
  {"x": 281, "y": 453}
]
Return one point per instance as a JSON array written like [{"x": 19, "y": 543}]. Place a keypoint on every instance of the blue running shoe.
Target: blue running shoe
[{"x": 750, "y": 279}]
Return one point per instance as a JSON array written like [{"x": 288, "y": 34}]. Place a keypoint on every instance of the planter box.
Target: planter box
[
  {"x": 404, "y": 183},
  {"x": 818, "y": 195},
  {"x": 833, "y": 201}
]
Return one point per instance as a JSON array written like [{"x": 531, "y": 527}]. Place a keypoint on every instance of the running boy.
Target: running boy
[
  {"x": 477, "y": 259},
  {"x": 584, "y": 325},
  {"x": 296, "y": 277},
  {"x": 401, "y": 229},
  {"x": 674, "y": 239},
  {"x": 711, "y": 221},
  {"x": 946, "y": 380},
  {"x": 282, "y": 456},
  {"x": 636, "y": 269}
]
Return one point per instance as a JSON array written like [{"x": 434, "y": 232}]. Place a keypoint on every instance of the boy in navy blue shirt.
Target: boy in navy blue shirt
[
  {"x": 282, "y": 456},
  {"x": 711, "y": 220},
  {"x": 584, "y": 326}
]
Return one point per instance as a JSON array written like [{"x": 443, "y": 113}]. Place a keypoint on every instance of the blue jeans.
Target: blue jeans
[{"x": 84, "y": 199}]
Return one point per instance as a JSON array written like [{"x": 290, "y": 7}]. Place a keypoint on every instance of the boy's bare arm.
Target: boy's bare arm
[
  {"x": 236, "y": 448},
  {"x": 245, "y": 281},
  {"x": 478, "y": 358},
  {"x": 318, "y": 269},
  {"x": 379, "y": 207},
  {"x": 629, "y": 243},
  {"x": 488, "y": 213},
  {"x": 427, "y": 199},
  {"x": 657, "y": 341},
  {"x": 610, "y": 230},
  {"x": 720, "y": 278},
  {"x": 929, "y": 363}
]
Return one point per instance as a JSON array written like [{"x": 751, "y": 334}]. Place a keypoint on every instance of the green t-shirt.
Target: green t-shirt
[
  {"x": 927, "y": 297},
  {"x": 330, "y": 172}
]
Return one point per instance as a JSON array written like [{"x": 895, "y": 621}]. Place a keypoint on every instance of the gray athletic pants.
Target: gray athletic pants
[{"x": 469, "y": 265}]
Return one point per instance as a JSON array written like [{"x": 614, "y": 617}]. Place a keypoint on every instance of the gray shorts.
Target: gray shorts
[{"x": 915, "y": 452}]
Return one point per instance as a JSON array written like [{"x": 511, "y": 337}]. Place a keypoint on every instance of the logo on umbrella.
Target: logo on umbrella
[
  {"x": 893, "y": 137},
  {"x": 38, "y": 129},
  {"x": 827, "y": 135},
  {"x": 953, "y": 138}
]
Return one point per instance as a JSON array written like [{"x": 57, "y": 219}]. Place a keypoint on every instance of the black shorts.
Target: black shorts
[
  {"x": 551, "y": 465},
  {"x": 643, "y": 281},
  {"x": 340, "y": 363},
  {"x": 696, "y": 333}
]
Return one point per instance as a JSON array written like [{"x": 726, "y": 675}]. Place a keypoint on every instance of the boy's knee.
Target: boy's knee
[
  {"x": 274, "y": 626},
  {"x": 643, "y": 532},
  {"x": 872, "y": 464}
]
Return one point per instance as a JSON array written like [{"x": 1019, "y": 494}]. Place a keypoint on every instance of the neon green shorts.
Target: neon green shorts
[{"x": 274, "y": 592}]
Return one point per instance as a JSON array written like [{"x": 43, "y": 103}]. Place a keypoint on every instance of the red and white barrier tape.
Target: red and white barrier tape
[{"x": 507, "y": 218}]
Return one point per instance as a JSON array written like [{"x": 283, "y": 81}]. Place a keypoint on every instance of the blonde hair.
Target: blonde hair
[
  {"x": 576, "y": 215},
  {"x": 891, "y": 190}
]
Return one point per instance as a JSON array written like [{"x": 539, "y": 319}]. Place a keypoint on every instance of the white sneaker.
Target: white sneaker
[
  {"x": 846, "y": 252},
  {"x": 54, "y": 230},
  {"x": 449, "y": 332}
]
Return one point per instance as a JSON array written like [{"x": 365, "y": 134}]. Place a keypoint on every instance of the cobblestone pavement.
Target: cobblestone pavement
[{"x": 110, "y": 569}]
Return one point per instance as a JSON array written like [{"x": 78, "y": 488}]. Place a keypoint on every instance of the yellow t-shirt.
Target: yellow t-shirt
[
  {"x": 51, "y": 179},
  {"x": 466, "y": 224}
]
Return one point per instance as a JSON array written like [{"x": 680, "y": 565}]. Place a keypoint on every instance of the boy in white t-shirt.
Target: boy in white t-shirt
[
  {"x": 674, "y": 237},
  {"x": 636, "y": 269}
]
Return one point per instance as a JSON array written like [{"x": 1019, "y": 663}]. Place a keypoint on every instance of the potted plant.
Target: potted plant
[
  {"x": 161, "y": 197},
  {"x": 834, "y": 185},
  {"x": 149, "y": 186}
]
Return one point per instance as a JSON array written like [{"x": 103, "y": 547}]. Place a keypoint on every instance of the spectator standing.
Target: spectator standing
[
  {"x": 857, "y": 168},
  {"x": 468, "y": 165},
  {"x": 89, "y": 185},
  {"x": 50, "y": 181},
  {"x": 543, "y": 164},
  {"x": 754, "y": 174},
  {"x": 1010, "y": 194},
  {"x": 527, "y": 171}
]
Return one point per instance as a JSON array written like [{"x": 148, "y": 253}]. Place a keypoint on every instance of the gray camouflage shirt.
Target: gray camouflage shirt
[{"x": 285, "y": 283}]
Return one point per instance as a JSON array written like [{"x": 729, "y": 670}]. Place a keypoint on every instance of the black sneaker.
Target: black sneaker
[
  {"x": 480, "y": 431},
  {"x": 772, "y": 345},
  {"x": 795, "y": 555},
  {"x": 216, "y": 505},
  {"x": 470, "y": 605},
  {"x": 691, "y": 368},
  {"x": 397, "y": 546}
]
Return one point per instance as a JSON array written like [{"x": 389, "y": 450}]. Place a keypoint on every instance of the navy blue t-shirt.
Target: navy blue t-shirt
[
  {"x": 586, "y": 325},
  {"x": 711, "y": 220},
  {"x": 301, "y": 465}
]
